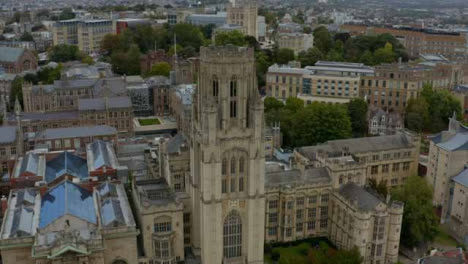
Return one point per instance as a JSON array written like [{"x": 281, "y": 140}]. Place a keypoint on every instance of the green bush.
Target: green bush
[{"x": 275, "y": 255}]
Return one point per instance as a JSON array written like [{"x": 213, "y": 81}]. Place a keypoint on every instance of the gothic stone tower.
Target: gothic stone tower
[{"x": 227, "y": 159}]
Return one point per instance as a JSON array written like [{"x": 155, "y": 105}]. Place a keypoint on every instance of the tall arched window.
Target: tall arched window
[
  {"x": 215, "y": 86},
  {"x": 233, "y": 101},
  {"x": 241, "y": 165},
  {"x": 224, "y": 175},
  {"x": 241, "y": 174},
  {"x": 232, "y": 235},
  {"x": 233, "y": 173},
  {"x": 233, "y": 165}
]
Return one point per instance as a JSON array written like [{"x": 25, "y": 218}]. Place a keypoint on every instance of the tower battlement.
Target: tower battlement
[{"x": 227, "y": 54}]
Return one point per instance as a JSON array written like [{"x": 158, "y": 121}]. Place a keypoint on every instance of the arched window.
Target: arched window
[
  {"x": 233, "y": 87},
  {"x": 215, "y": 86},
  {"x": 119, "y": 261},
  {"x": 233, "y": 165},
  {"x": 232, "y": 236},
  {"x": 241, "y": 165},
  {"x": 224, "y": 167}
]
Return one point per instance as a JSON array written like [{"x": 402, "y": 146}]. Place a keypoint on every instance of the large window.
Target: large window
[
  {"x": 215, "y": 86},
  {"x": 232, "y": 235}
]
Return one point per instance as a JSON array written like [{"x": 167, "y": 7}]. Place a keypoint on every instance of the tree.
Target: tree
[
  {"x": 88, "y": 60},
  {"x": 310, "y": 57},
  {"x": 188, "y": 35},
  {"x": 26, "y": 37},
  {"x": 63, "y": 53},
  {"x": 432, "y": 110},
  {"x": 384, "y": 55},
  {"x": 417, "y": 114},
  {"x": 126, "y": 62},
  {"x": 380, "y": 188},
  {"x": 262, "y": 62},
  {"x": 66, "y": 14},
  {"x": 16, "y": 91},
  {"x": 284, "y": 56},
  {"x": 272, "y": 103},
  {"x": 327, "y": 255},
  {"x": 294, "y": 104},
  {"x": 110, "y": 43},
  {"x": 420, "y": 222},
  {"x": 231, "y": 37},
  {"x": 322, "y": 39},
  {"x": 357, "y": 111},
  {"x": 160, "y": 69},
  {"x": 320, "y": 122}
]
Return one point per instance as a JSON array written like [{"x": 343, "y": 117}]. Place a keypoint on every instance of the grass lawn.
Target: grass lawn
[
  {"x": 445, "y": 239},
  {"x": 294, "y": 254},
  {"x": 149, "y": 122}
]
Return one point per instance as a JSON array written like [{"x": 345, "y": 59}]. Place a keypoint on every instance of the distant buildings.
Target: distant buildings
[
  {"x": 17, "y": 60},
  {"x": 295, "y": 41},
  {"x": 86, "y": 34},
  {"x": 417, "y": 41},
  {"x": 244, "y": 14},
  {"x": 217, "y": 19},
  {"x": 334, "y": 82},
  {"x": 383, "y": 123}
]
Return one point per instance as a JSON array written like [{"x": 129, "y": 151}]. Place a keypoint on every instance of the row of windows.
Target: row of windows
[
  {"x": 162, "y": 227},
  {"x": 300, "y": 201},
  {"x": 310, "y": 225},
  {"x": 386, "y": 167}
]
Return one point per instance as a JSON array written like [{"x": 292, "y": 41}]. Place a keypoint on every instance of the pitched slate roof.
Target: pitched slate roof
[
  {"x": 462, "y": 178},
  {"x": 66, "y": 163},
  {"x": 7, "y": 134},
  {"x": 9, "y": 54},
  {"x": 67, "y": 198},
  {"x": 175, "y": 143},
  {"x": 30, "y": 163},
  {"x": 100, "y": 153},
  {"x": 365, "y": 200},
  {"x": 100, "y": 103},
  {"x": 74, "y": 132}
]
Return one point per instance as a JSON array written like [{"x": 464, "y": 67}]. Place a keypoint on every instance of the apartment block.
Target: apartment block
[{"x": 295, "y": 41}]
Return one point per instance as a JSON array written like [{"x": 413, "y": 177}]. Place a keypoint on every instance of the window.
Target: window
[
  {"x": 162, "y": 227},
  {"x": 299, "y": 214},
  {"x": 323, "y": 223},
  {"x": 396, "y": 167},
  {"x": 374, "y": 169},
  {"x": 241, "y": 165},
  {"x": 224, "y": 167},
  {"x": 233, "y": 109},
  {"x": 272, "y": 218},
  {"x": 215, "y": 86},
  {"x": 232, "y": 236},
  {"x": 385, "y": 168},
  {"x": 300, "y": 202},
  {"x": 288, "y": 232},
  {"x": 272, "y": 231},
  {"x": 233, "y": 87},
  {"x": 324, "y": 198},
  {"x": 312, "y": 213},
  {"x": 311, "y": 225},
  {"x": 241, "y": 184},
  {"x": 233, "y": 165},
  {"x": 406, "y": 166},
  {"x": 324, "y": 211},
  {"x": 313, "y": 199},
  {"x": 299, "y": 227},
  {"x": 273, "y": 204}
]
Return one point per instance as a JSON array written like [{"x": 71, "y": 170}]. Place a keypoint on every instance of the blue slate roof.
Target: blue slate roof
[
  {"x": 30, "y": 163},
  {"x": 7, "y": 134},
  {"x": 66, "y": 163},
  {"x": 9, "y": 54},
  {"x": 462, "y": 178},
  {"x": 100, "y": 154},
  {"x": 457, "y": 142},
  {"x": 67, "y": 198},
  {"x": 74, "y": 132},
  {"x": 111, "y": 213}
]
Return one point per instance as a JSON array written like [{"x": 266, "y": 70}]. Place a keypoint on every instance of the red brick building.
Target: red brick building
[{"x": 17, "y": 60}]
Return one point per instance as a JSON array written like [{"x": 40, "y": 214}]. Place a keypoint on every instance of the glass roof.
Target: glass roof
[
  {"x": 66, "y": 163},
  {"x": 67, "y": 198}
]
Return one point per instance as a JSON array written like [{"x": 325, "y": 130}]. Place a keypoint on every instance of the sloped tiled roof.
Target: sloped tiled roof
[
  {"x": 10, "y": 54},
  {"x": 66, "y": 163},
  {"x": 74, "y": 132},
  {"x": 100, "y": 103},
  {"x": 365, "y": 200},
  {"x": 67, "y": 198}
]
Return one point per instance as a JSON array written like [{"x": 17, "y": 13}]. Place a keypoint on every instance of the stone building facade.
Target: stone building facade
[
  {"x": 243, "y": 13},
  {"x": 17, "y": 60},
  {"x": 227, "y": 140},
  {"x": 448, "y": 156}
]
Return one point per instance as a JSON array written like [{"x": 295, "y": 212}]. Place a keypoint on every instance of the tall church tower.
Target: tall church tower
[{"x": 227, "y": 159}]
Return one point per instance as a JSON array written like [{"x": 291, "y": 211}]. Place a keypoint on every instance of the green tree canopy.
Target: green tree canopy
[
  {"x": 322, "y": 39},
  {"x": 160, "y": 69},
  {"x": 420, "y": 222},
  {"x": 284, "y": 56},
  {"x": 272, "y": 103},
  {"x": 63, "y": 53},
  {"x": 188, "y": 35},
  {"x": 327, "y": 255},
  {"x": 231, "y": 37},
  {"x": 310, "y": 57},
  {"x": 16, "y": 91},
  {"x": 357, "y": 110},
  {"x": 431, "y": 111},
  {"x": 26, "y": 37},
  {"x": 126, "y": 62}
]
